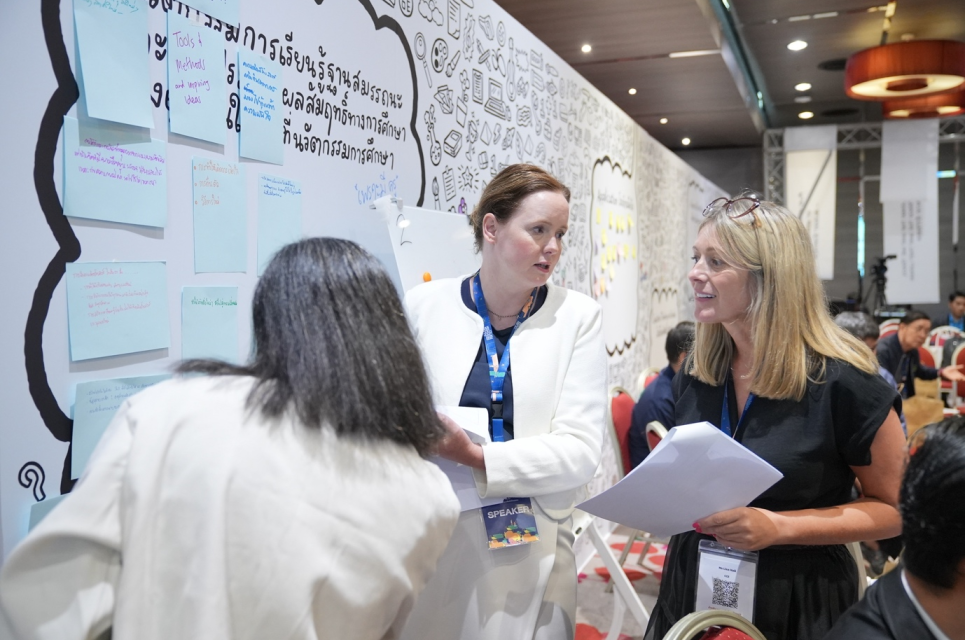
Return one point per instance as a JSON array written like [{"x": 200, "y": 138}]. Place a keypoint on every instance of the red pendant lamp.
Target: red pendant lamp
[
  {"x": 948, "y": 103},
  {"x": 905, "y": 70}
]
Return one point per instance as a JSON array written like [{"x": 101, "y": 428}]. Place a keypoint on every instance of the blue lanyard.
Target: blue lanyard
[
  {"x": 497, "y": 366},
  {"x": 725, "y": 414}
]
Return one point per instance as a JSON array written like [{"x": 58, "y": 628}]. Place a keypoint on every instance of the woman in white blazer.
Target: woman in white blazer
[
  {"x": 552, "y": 405},
  {"x": 287, "y": 498}
]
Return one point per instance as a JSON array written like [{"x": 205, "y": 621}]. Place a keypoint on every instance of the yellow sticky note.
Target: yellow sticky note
[
  {"x": 599, "y": 213},
  {"x": 603, "y": 237}
]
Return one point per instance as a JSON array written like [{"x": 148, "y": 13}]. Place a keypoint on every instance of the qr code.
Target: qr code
[{"x": 725, "y": 594}]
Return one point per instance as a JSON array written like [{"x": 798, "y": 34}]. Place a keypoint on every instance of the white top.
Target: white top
[
  {"x": 938, "y": 633},
  {"x": 196, "y": 518}
]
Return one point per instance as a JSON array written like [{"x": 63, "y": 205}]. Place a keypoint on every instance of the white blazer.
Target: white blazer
[
  {"x": 197, "y": 518},
  {"x": 559, "y": 393}
]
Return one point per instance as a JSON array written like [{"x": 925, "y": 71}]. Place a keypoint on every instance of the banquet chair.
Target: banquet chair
[{"x": 716, "y": 625}]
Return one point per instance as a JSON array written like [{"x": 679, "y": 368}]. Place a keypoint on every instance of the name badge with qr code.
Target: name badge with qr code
[{"x": 726, "y": 579}]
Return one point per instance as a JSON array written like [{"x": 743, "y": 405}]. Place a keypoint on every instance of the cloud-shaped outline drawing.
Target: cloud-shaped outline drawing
[{"x": 69, "y": 249}]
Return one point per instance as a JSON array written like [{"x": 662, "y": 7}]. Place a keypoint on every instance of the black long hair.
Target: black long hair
[
  {"x": 332, "y": 343},
  {"x": 932, "y": 504}
]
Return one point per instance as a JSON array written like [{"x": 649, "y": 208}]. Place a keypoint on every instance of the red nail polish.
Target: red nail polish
[{"x": 697, "y": 527}]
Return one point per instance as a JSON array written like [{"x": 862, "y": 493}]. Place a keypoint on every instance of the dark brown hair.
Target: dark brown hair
[{"x": 502, "y": 196}]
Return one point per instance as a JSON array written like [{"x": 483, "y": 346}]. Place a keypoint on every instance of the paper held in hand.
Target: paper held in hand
[
  {"x": 475, "y": 422},
  {"x": 694, "y": 472}
]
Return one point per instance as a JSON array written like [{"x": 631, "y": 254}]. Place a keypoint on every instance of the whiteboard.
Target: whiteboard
[{"x": 428, "y": 245}]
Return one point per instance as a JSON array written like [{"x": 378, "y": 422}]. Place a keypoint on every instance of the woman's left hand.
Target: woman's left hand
[{"x": 742, "y": 528}]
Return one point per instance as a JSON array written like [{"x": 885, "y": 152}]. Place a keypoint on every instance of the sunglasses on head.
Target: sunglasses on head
[{"x": 733, "y": 209}]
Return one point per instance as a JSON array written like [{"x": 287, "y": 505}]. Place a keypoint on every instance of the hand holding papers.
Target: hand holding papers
[
  {"x": 475, "y": 422},
  {"x": 694, "y": 472}
]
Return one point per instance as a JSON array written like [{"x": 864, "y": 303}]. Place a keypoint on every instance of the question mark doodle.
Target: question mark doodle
[{"x": 32, "y": 476}]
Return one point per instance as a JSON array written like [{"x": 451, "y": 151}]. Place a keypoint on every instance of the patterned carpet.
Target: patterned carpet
[{"x": 594, "y": 606}]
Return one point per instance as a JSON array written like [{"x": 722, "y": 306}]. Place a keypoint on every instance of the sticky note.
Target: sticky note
[
  {"x": 209, "y": 323},
  {"x": 39, "y": 510},
  {"x": 220, "y": 216},
  {"x": 95, "y": 405},
  {"x": 114, "y": 173},
  {"x": 111, "y": 37},
  {"x": 279, "y": 216},
  {"x": 224, "y": 10},
  {"x": 116, "y": 307},
  {"x": 261, "y": 119},
  {"x": 198, "y": 94}
]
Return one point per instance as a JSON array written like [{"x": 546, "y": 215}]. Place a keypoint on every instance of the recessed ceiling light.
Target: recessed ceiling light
[
  {"x": 664, "y": 121},
  {"x": 685, "y": 141},
  {"x": 797, "y": 45},
  {"x": 632, "y": 91},
  {"x": 586, "y": 48},
  {"x": 802, "y": 86},
  {"x": 805, "y": 115},
  {"x": 802, "y": 99}
]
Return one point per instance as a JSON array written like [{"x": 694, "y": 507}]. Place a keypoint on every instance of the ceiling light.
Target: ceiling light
[
  {"x": 664, "y": 121},
  {"x": 797, "y": 45},
  {"x": 685, "y": 141},
  {"x": 805, "y": 115},
  {"x": 586, "y": 48},
  {"x": 802, "y": 86},
  {"x": 802, "y": 99},
  {"x": 951, "y": 103},
  {"x": 632, "y": 91},
  {"x": 905, "y": 69},
  {"x": 694, "y": 54}
]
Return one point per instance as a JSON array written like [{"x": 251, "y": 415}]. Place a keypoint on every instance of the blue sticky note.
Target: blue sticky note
[
  {"x": 279, "y": 216},
  {"x": 224, "y": 10},
  {"x": 220, "y": 220},
  {"x": 113, "y": 173},
  {"x": 94, "y": 407},
  {"x": 196, "y": 77},
  {"x": 39, "y": 510},
  {"x": 209, "y": 323},
  {"x": 116, "y": 307},
  {"x": 261, "y": 118},
  {"x": 111, "y": 40}
]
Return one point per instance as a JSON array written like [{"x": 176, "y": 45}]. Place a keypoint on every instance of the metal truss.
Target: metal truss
[{"x": 866, "y": 135}]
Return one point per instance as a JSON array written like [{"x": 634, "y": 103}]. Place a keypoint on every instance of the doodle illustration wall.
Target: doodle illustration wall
[{"x": 424, "y": 100}]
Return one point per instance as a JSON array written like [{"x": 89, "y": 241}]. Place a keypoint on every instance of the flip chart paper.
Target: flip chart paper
[
  {"x": 279, "y": 216},
  {"x": 694, "y": 472},
  {"x": 196, "y": 78},
  {"x": 209, "y": 323},
  {"x": 116, "y": 307},
  {"x": 39, "y": 510},
  {"x": 94, "y": 408},
  {"x": 115, "y": 174},
  {"x": 110, "y": 39},
  {"x": 475, "y": 422},
  {"x": 224, "y": 10},
  {"x": 220, "y": 220},
  {"x": 261, "y": 119}
]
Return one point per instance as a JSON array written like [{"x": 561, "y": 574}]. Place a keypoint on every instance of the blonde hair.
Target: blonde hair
[{"x": 793, "y": 332}]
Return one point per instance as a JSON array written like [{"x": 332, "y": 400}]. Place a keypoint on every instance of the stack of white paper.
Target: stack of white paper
[{"x": 694, "y": 472}]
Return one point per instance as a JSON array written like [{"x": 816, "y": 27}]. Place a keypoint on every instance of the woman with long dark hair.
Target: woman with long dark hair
[{"x": 284, "y": 498}]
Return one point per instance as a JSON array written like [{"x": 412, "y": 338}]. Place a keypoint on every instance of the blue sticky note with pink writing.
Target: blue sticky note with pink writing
[
  {"x": 111, "y": 41},
  {"x": 196, "y": 76},
  {"x": 220, "y": 216},
  {"x": 114, "y": 173},
  {"x": 95, "y": 404},
  {"x": 209, "y": 323},
  {"x": 279, "y": 216},
  {"x": 261, "y": 116},
  {"x": 116, "y": 307}
]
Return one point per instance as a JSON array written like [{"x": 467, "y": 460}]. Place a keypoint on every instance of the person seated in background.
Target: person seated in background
[
  {"x": 284, "y": 498},
  {"x": 656, "y": 402},
  {"x": 864, "y": 328},
  {"x": 898, "y": 354},
  {"x": 924, "y": 598},
  {"x": 956, "y": 312}
]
